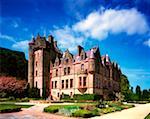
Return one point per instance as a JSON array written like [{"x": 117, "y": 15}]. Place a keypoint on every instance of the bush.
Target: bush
[
  {"x": 65, "y": 97},
  {"x": 6, "y": 108},
  {"x": 148, "y": 116},
  {"x": 68, "y": 110},
  {"x": 34, "y": 93},
  {"x": 52, "y": 109},
  {"x": 83, "y": 113},
  {"x": 108, "y": 110},
  {"x": 86, "y": 97}
]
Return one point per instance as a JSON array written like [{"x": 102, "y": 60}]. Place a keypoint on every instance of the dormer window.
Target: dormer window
[
  {"x": 67, "y": 60},
  {"x": 82, "y": 57}
]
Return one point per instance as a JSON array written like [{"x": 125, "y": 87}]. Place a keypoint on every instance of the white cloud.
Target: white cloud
[
  {"x": 21, "y": 45},
  {"x": 147, "y": 43},
  {"x": 98, "y": 24},
  {"x": 7, "y": 37},
  {"x": 15, "y": 24},
  {"x": 67, "y": 38}
]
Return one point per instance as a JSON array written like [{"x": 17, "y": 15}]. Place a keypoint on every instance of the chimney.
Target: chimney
[
  {"x": 50, "y": 39},
  {"x": 79, "y": 49},
  {"x": 55, "y": 43}
]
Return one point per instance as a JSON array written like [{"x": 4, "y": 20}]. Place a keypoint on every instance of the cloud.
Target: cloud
[
  {"x": 15, "y": 24},
  {"x": 147, "y": 43},
  {"x": 7, "y": 37},
  {"x": 67, "y": 38},
  {"x": 98, "y": 25},
  {"x": 21, "y": 45}
]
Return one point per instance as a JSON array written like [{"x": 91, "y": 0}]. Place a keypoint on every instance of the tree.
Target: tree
[
  {"x": 145, "y": 95},
  {"x": 138, "y": 92},
  {"x": 124, "y": 84},
  {"x": 12, "y": 87}
]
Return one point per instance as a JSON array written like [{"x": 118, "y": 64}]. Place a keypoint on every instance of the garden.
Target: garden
[{"x": 87, "y": 110}]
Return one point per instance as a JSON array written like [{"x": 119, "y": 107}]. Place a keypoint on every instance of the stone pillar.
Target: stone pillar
[{"x": 31, "y": 68}]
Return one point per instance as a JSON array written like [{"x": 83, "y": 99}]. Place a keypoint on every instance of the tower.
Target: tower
[{"x": 41, "y": 54}]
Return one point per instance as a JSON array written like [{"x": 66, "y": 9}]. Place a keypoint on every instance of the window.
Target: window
[
  {"x": 36, "y": 73},
  {"x": 71, "y": 83},
  {"x": 36, "y": 84},
  {"x": 62, "y": 84},
  {"x": 67, "y": 83},
  {"x": 64, "y": 71},
  {"x": 55, "y": 84},
  {"x": 52, "y": 84},
  {"x": 67, "y": 61},
  {"x": 80, "y": 81},
  {"x": 84, "y": 81},
  {"x": 57, "y": 94},
  {"x": 56, "y": 72},
  {"x": 36, "y": 63},
  {"x": 82, "y": 67},
  {"x": 82, "y": 57},
  {"x": 68, "y": 70}
]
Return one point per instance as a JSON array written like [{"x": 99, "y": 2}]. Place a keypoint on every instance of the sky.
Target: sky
[{"x": 120, "y": 28}]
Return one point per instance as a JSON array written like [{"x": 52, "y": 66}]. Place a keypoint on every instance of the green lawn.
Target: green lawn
[{"x": 12, "y": 107}]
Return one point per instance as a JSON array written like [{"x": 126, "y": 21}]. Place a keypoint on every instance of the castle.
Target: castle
[{"x": 56, "y": 73}]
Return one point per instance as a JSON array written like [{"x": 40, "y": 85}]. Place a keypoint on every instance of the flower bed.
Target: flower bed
[{"x": 85, "y": 110}]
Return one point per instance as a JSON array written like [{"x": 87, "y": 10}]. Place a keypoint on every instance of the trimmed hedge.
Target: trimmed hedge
[
  {"x": 6, "y": 108},
  {"x": 83, "y": 113},
  {"x": 51, "y": 109},
  {"x": 86, "y": 97}
]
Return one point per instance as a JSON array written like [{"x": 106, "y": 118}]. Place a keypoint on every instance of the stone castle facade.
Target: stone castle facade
[{"x": 56, "y": 73}]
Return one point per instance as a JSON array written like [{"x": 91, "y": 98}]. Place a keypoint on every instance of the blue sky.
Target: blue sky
[{"x": 121, "y": 28}]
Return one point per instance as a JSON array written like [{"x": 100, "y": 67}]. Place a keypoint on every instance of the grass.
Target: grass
[
  {"x": 86, "y": 109},
  {"x": 148, "y": 116},
  {"x": 5, "y": 108}
]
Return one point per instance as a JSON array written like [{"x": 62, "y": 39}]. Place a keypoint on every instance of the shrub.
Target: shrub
[
  {"x": 82, "y": 113},
  {"x": 86, "y": 97},
  {"x": 52, "y": 109},
  {"x": 65, "y": 97},
  {"x": 108, "y": 110},
  {"x": 68, "y": 110},
  {"x": 34, "y": 93},
  {"x": 6, "y": 108},
  {"x": 148, "y": 116}
]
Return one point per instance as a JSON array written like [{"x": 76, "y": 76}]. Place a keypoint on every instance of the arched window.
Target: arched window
[{"x": 82, "y": 67}]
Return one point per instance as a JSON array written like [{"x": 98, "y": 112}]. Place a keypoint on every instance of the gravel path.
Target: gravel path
[{"x": 138, "y": 112}]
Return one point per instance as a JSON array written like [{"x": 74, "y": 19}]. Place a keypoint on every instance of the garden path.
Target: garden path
[{"x": 138, "y": 112}]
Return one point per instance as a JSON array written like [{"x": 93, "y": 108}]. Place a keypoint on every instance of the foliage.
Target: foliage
[
  {"x": 13, "y": 63},
  {"x": 83, "y": 113},
  {"x": 124, "y": 85},
  {"x": 148, "y": 116},
  {"x": 68, "y": 110},
  {"x": 52, "y": 109},
  {"x": 10, "y": 86},
  {"x": 86, "y": 97},
  {"x": 4, "y": 108},
  {"x": 33, "y": 93},
  {"x": 138, "y": 92}
]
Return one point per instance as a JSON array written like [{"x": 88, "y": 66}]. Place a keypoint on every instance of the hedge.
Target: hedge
[
  {"x": 6, "y": 108},
  {"x": 83, "y": 113},
  {"x": 86, "y": 97}
]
